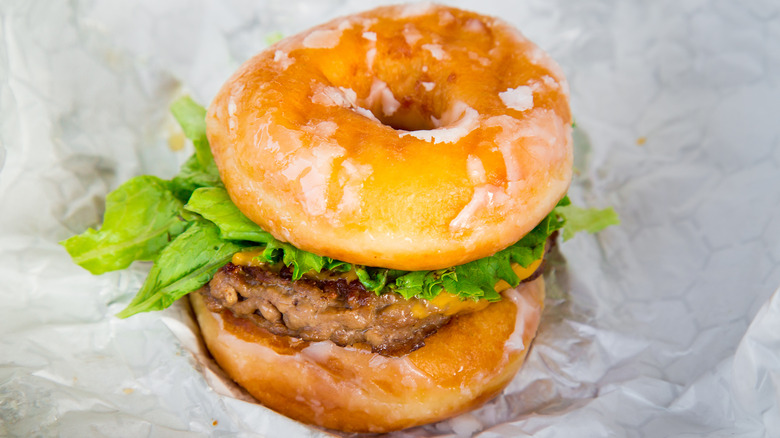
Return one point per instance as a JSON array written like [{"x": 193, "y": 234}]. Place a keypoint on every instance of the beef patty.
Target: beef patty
[
  {"x": 336, "y": 309},
  {"x": 317, "y": 310}
]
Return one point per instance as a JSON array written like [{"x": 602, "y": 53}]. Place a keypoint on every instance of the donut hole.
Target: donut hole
[
  {"x": 406, "y": 118},
  {"x": 402, "y": 113}
]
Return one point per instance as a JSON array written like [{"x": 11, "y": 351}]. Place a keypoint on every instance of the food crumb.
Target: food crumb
[
  {"x": 128, "y": 391},
  {"x": 176, "y": 141},
  {"x": 214, "y": 423},
  {"x": 641, "y": 140}
]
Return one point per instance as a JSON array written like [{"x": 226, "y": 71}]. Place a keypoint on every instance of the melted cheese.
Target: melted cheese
[
  {"x": 521, "y": 272},
  {"x": 446, "y": 303},
  {"x": 247, "y": 258}
]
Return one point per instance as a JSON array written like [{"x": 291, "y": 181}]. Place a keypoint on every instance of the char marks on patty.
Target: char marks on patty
[{"x": 316, "y": 310}]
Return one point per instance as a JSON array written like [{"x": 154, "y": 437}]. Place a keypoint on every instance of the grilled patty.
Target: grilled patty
[
  {"x": 317, "y": 310},
  {"x": 343, "y": 312}
]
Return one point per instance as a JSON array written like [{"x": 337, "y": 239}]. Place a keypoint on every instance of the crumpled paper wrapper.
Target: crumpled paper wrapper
[{"x": 668, "y": 325}]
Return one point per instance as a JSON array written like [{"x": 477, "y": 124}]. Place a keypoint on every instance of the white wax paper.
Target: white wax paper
[{"x": 668, "y": 325}]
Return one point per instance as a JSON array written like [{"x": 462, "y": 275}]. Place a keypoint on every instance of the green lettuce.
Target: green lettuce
[
  {"x": 185, "y": 265},
  {"x": 191, "y": 177},
  {"x": 189, "y": 228},
  {"x": 192, "y": 118},
  {"x": 591, "y": 220},
  {"x": 199, "y": 170},
  {"x": 214, "y": 204},
  {"x": 142, "y": 217}
]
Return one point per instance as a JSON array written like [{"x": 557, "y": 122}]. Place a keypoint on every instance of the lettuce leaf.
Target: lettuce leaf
[
  {"x": 373, "y": 279},
  {"x": 142, "y": 217},
  {"x": 591, "y": 220},
  {"x": 190, "y": 228},
  {"x": 199, "y": 170},
  {"x": 185, "y": 265},
  {"x": 427, "y": 284},
  {"x": 214, "y": 204},
  {"x": 193, "y": 176},
  {"x": 192, "y": 118}
]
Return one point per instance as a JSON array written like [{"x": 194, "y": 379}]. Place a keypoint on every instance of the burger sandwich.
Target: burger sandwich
[{"x": 362, "y": 228}]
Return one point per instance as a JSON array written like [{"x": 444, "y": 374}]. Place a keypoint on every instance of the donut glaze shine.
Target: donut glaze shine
[
  {"x": 409, "y": 137},
  {"x": 463, "y": 365}
]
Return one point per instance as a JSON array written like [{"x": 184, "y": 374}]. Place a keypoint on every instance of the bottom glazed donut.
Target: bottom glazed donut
[{"x": 464, "y": 364}]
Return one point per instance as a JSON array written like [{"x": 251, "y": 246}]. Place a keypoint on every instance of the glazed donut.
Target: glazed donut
[
  {"x": 411, "y": 137},
  {"x": 464, "y": 364}
]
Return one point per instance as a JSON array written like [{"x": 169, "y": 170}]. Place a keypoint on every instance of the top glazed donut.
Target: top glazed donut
[{"x": 410, "y": 137}]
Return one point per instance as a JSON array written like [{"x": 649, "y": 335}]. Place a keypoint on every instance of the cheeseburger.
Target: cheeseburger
[{"x": 362, "y": 226}]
